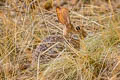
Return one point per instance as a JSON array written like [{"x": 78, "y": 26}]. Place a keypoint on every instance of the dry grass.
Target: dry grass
[{"x": 22, "y": 29}]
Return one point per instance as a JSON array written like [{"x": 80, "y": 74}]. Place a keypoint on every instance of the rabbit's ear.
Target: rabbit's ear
[
  {"x": 65, "y": 31},
  {"x": 63, "y": 15},
  {"x": 68, "y": 29}
]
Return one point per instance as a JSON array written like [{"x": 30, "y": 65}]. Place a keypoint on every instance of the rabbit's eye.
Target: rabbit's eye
[{"x": 78, "y": 28}]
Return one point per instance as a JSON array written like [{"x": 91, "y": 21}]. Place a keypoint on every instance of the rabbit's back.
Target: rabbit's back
[{"x": 48, "y": 48}]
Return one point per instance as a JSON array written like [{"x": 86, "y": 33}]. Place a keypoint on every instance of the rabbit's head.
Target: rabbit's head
[{"x": 64, "y": 18}]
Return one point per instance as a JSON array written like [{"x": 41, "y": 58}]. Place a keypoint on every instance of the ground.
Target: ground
[{"x": 24, "y": 24}]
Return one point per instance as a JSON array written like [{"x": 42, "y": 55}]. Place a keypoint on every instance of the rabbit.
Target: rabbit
[{"x": 50, "y": 47}]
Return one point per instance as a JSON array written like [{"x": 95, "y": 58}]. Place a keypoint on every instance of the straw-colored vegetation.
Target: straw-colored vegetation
[{"x": 25, "y": 23}]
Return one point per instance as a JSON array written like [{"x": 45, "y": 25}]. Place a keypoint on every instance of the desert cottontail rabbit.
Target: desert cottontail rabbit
[{"x": 52, "y": 45}]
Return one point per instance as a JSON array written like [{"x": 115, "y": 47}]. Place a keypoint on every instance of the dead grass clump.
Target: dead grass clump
[{"x": 22, "y": 29}]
